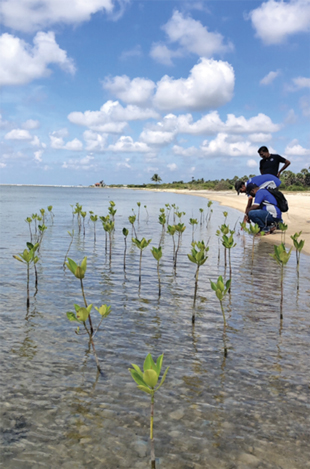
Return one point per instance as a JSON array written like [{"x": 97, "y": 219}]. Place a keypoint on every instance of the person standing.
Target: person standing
[{"x": 269, "y": 163}]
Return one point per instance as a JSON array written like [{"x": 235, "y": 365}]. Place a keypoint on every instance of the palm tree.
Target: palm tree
[{"x": 156, "y": 178}]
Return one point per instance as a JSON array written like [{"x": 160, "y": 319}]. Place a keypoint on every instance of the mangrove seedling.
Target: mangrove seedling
[
  {"x": 282, "y": 227},
  {"x": 147, "y": 213},
  {"x": 139, "y": 205},
  {"x": 228, "y": 242},
  {"x": 50, "y": 209},
  {"x": 225, "y": 216},
  {"x": 146, "y": 381},
  {"x": 104, "y": 220},
  {"x": 199, "y": 258},
  {"x": 29, "y": 220},
  {"x": 94, "y": 219},
  {"x": 193, "y": 222},
  {"x": 77, "y": 210},
  {"x": 132, "y": 219},
  {"x": 27, "y": 257},
  {"x": 168, "y": 210},
  {"x": 35, "y": 218},
  {"x": 281, "y": 256},
  {"x": 171, "y": 230},
  {"x": 112, "y": 211},
  {"x": 81, "y": 315},
  {"x": 42, "y": 211},
  {"x": 125, "y": 233},
  {"x": 220, "y": 290},
  {"x": 83, "y": 215},
  {"x": 79, "y": 272},
  {"x": 254, "y": 230},
  {"x": 141, "y": 245},
  {"x": 210, "y": 211},
  {"x": 179, "y": 228},
  {"x": 201, "y": 216},
  {"x": 108, "y": 227},
  {"x": 162, "y": 222},
  {"x": 298, "y": 246},
  {"x": 157, "y": 254},
  {"x": 71, "y": 234},
  {"x": 42, "y": 229}
]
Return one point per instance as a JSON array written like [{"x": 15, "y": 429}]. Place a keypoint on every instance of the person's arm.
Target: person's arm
[
  {"x": 260, "y": 166},
  {"x": 286, "y": 164},
  {"x": 253, "y": 207},
  {"x": 247, "y": 209}
]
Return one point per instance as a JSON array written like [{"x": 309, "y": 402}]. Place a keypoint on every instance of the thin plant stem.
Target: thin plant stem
[
  {"x": 28, "y": 301},
  {"x": 281, "y": 300},
  {"x": 125, "y": 240},
  {"x": 151, "y": 433},
  {"x": 223, "y": 313},
  {"x": 159, "y": 285},
  {"x": 85, "y": 302},
  {"x": 93, "y": 346},
  {"x": 297, "y": 260},
  {"x": 140, "y": 264}
]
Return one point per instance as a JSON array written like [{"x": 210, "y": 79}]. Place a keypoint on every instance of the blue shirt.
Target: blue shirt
[
  {"x": 265, "y": 180},
  {"x": 267, "y": 202}
]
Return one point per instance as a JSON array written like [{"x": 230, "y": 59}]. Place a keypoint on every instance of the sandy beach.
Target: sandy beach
[{"x": 297, "y": 218}]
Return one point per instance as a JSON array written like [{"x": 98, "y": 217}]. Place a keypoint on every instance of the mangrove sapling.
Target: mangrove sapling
[
  {"x": 282, "y": 227},
  {"x": 254, "y": 230},
  {"x": 71, "y": 234},
  {"x": 224, "y": 230},
  {"x": 35, "y": 218},
  {"x": 229, "y": 243},
  {"x": 225, "y": 215},
  {"x": 171, "y": 230},
  {"x": 147, "y": 213},
  {"x": 179, "y": 228},
  {"x": 94, "y": 219},
  {"x": 42, "y": 229},
  {"x": 112, "y": 211},
  {"x": 162, "y": 222},
  {"x": 108, "y": 227},
  {"x": 29, "y": 220},
  {"x": 201, "y": 216},
  {"x": 83, "y": 215},
  {"x": 50, "y": 209},
  {"x": 220, "y": 290},
  {"x": 142, "y": 244},
  {"x": 104, "y": 220},
  {"x": 281, "y": 256},
  {"x": 298, "y": 246},
  {"x": 199, "y": 258},
  {"x": 146, "y": 382},
  {"x": 77, "y": 210},
  {"x": 132, "y": 219},
  {"x": 139, "y": 205},
  {"x": 168, "y": 210},
  {"x": 79, "y": 272},
  {"x": 193, "y": 222},
  {"x": 180, "y": 215},
  {"x": 125, "y": 233},
  {"x": 42, "y": 211},
  {"x": 27, "y": 257},
  {"x": 210, "y": 211},
  {"x": 157, "y": 254},
  {"x": 81, "y": 315}
]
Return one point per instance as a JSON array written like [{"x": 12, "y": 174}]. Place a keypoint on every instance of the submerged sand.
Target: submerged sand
[{"x": 297, "y": 218}]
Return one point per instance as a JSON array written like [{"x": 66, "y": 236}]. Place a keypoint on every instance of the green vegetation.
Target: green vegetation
[
  {"x": 281, "y": 256},
  {"x": 298, "y": 246}
]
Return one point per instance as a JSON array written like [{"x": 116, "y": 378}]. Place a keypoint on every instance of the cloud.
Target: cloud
[
  {"x": 126, "y": 144},
  {"x": 172, "y": 166},
  {"x": 57, "y": 142},
  {"x": 291, "y": 117},
  {"x": 274, "y": 21},
  {"x": 31, "y": 124},
  {"x": 260, "y": 137},
  {"x": 94, "y": 141},
  {"x": 31, "y": 15},
  {"x": 211, "y": 124},
  {"x": 301, "y": 82},
  {"x": 157, "y": 137},
  {"x": 295, "y": 149},
  {"x": 251, "y": 163},
  {"x": 2, "y": 122},
  {"x": 269, "y": 78},
  {"x": 83, "y": 164},
  {"x": 111, "y": 118},
  {"x": 193, "y": 37},
  {"x": 162, "y": 54},
  {"x": 18, "y": 134},
  {"x": 224, "y": 145},
  {"x": 304, "y": 104},
  {"x": 186, "y": 152},
  {"x": 2, "y": 165},
  {"x": 21, "y": 63},
  {"x": 38, "y": 156},
  {"x": 134, "y": 52},
  {"x": 210, "y": 84},
  {"x": 136, "y": 91}
]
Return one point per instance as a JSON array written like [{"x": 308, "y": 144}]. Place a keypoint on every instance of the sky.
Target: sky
[{"x": 118, "y": 90}]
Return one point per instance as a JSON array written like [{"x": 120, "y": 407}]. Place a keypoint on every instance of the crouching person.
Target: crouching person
[{"x": 264, "y": 211}]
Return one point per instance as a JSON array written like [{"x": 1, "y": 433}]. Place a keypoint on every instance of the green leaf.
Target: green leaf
[
  {"x": 18, "y": 258},
  {"x": 163, "y": 379},
  {"x": 71, "y": 316},
  {"x": 149, "y": 363},
  {"x": 137, "y": 370},
  {"x": 145, "y": 389},
  {"x": 71, "y": 265},
  {"x": 159, "y": 363},
  {"x": 77, "y": 307},
  {"x": 82, "y": 314},
  {"x": 137, "y": 378},
  {"x": 213, "y": 285},
  {"x": 84, "y": 264},
  {"x": 150, "y": 377}
]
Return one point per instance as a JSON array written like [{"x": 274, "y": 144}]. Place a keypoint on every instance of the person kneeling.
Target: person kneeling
[{"x": 264, "y": 211}]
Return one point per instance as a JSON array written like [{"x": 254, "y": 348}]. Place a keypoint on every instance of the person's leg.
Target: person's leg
[{"x": 262, "y": 218}]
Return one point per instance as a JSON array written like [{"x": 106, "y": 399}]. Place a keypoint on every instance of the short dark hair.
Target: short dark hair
[
  {"x": 238, "y": 185},
  {"x": 250, "y": 187},
  {"x": 262, "y": 149}
]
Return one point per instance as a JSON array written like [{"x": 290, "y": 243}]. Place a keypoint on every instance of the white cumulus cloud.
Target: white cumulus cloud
[
  {"x": 172, "y": 166},
  {"x": 274, "y": 21},
  {"x": 18, "y": 134},
  {"x": 295, "y": 149},
  {"x": 31, "y": 124},
  {"x": 126, "y": 144},
  {"x": 224, "y": 145},
  {"x": 269, "y": 78},
  {"x": 21, "y": 63},
  {"x": 32, "y": 15},
  {"x": 210, "y": 84},
  {"x": 136, "y": 91}
]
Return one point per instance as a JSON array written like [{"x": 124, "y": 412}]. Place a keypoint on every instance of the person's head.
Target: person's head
[
  {"x": 263, "y": 152},
  {"x": 240, "y": 186},
  {"x": 251, "y": 189}
]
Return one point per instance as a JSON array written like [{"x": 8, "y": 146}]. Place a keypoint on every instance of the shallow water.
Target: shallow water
[{"x": 250, "y": 409}]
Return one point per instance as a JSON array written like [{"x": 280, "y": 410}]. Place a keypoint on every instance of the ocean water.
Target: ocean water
[{"x": 247, "y": 409}]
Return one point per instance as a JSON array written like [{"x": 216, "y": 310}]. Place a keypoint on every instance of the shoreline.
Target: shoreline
[{"x": 299, "y": 208}]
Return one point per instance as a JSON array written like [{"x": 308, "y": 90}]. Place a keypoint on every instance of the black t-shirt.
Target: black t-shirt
[{"x": 271, "y": 165}]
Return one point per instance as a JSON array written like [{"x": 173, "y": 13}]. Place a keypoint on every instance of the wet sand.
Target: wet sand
[{"x": 297, "y": 218}]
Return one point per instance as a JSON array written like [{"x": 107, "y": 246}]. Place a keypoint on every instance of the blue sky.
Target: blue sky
[{"x": 121, "y": 89}]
